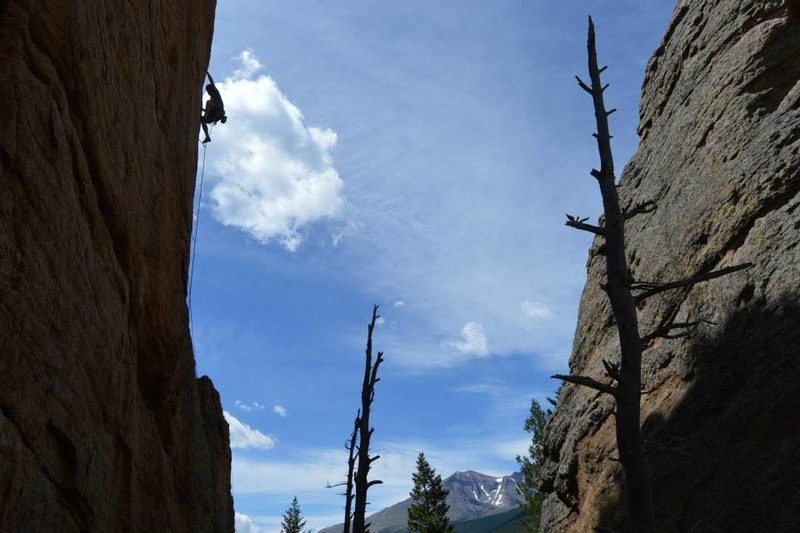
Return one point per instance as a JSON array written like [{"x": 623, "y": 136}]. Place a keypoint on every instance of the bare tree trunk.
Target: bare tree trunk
[
  {"x": 351, "y": 464},
  {"x": 629, "y": 440},
  {"x": 365, "y": 431},
  {"x": 627, "y": 374}
]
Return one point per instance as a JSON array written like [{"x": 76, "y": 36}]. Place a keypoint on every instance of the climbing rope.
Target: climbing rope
[{"x": 194, "y": 234}]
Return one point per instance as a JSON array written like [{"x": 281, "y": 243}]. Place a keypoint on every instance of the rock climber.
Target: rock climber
[{"x": 214, "y": 111}]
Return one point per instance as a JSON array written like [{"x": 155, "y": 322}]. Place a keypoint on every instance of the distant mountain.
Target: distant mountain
[{"x": 472, "y": 495}]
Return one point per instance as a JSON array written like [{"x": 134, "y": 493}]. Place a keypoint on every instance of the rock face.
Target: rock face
[
  {"x": 720, "y": 154},
  {"x": 103, "y": 424}
]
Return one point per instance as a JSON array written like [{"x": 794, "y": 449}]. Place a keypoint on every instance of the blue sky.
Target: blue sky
[{"x": 421, "y": 156}]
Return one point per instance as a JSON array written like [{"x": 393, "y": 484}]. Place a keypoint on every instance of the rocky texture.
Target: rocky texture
[
  {"x": 720, "y": 154},
  {"x": 103, "y": 425}
]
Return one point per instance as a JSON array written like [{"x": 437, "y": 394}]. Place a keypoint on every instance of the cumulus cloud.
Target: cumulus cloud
[
  {"x": 250, "y": 65},
  {"x": 249, "y": 406},
  {"x": 473, "y": 340},
  {"x": 399, "y": 303},
  {"x": 535, "y": 310},
  {"x": 243, "y": 524},
  {"x": 273, "y": 175},
  {"x": 280, "y": 410},
  {"x": 244, "y": 437}
]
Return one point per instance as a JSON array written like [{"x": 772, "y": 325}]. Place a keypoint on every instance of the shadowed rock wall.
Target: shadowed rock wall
[
  {"x": 103, "y": 424},
  {"x": 720, "y": 154}
]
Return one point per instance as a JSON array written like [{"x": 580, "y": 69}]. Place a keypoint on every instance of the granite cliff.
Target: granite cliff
[
  {"x": 720, "y": 155},
  {"x": 103, "y": 424}
]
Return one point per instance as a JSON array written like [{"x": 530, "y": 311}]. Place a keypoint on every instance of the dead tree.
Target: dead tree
[
  {"x": 626, "y": 382},
  {"x": 362, "y": 484},
  {"x": 351, "y": 466},
  {"x": 350, "y": 446}
]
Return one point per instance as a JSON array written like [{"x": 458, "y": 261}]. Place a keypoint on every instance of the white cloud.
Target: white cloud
[
  {"x": 380, "y": 321},
  {"x": 250, "y": 65},
  {"x": 307, "y": 474},
  {"x": 399, "y": 303},
  {"x": 274, "y": 175},
  {"x": 243, "y": 524},
  {"x": 303, "y": 477},
  {"x": 280, "y": 410},
  {"x": 245, "y": 437},
  {"x": 247, "y": 407},
  {"x": 535, "y": 310},
  {"x": 473, "y": 340}
]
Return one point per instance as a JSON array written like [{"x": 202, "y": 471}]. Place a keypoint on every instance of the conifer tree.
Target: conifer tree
[
  {"x": 532, "y": 498},
  {"x": 292, "y": 519},
  {"x": 428, "y": 512}
]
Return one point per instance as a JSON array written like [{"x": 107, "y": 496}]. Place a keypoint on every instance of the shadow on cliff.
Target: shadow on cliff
[{"x": 727, "y": 458}]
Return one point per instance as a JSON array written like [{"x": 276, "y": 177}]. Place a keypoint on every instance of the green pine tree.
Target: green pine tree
[
  {"x": 292, "y": 519},
  {"x": 428, "y": 512},
  {"x": 532, "y": 498}
]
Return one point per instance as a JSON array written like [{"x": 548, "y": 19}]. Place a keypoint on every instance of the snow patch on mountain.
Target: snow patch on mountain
[{"x": 472, "y": 495}]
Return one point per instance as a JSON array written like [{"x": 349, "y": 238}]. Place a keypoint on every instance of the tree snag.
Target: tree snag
[
  {"x": 362, "y": 484},
  {"x": 350, "y": 446},
  {"x": 351, "y": 465},
  {"x": 627, "y": 374}
]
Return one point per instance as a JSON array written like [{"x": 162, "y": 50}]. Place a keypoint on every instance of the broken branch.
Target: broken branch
[
  {"x": 580, "y": 223},
  {"x": 664, "y": 331},
  {"x": 583, "y": 85},
  {"x": 651, "y": 289},
  {"x": 587, "y": 382},
  {"x": 612, "y": 369}
]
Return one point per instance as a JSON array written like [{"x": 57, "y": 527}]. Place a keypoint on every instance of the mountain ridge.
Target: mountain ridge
[{"x": 472, "y": 495}]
